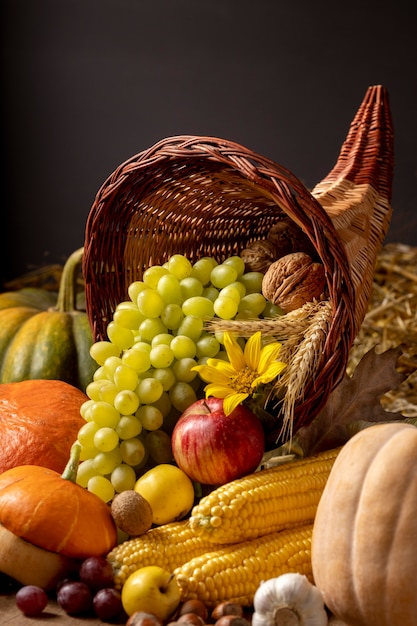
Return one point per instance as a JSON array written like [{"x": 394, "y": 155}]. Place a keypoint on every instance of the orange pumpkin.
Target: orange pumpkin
[
  {"x": 365, "y": 531},
  {"x": 39, "y": 421},
  {"x": 51, "y": 511}
]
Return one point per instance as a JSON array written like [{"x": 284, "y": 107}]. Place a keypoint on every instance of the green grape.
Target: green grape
[
  {"x": 169, "y": 289},
  {"x": 135, "y": 288},
  {"x": 183, "y": 369},
  {"x": 150, "y": 417},
  {"x": 110, "y": 365},
  {"x": 180, "y": 266},
  {"x": 108, "y": 392},
  {"x": 106, "y": 439},
  {"x": 172, "y": 316},
  {"x": 105, "y": 462},
  {"x": 182, "y": 395},
  {"x": 152, "y": 275},
  {"x": 211, "y": 293},
  {"x": 231, "y": 291},
  {"x": 101, "y": 350},
  {"x": 161, "y": 356},
  {"x": 253, "y": 302},
  {"x": 136, "y": 358},
  {"x": 104, "y": 415},
  {"x": 237, "y": 262},
  {"x": 161, "y": 339},
  {"x": 198, "y": 305},
  {"x": 143, "y": 346},
  {"x": 130, "y": 318},
  {"x": 183, "y": 346},
  {"x": 166, "y": 377},
  {"x": 150, "y": 303},
  {"x": 202, "y": 269},
  {"x": 222, "y": 275},
  {"x": 123, "y": 478},
  {"x": 85, "y": 471},
  {"x": 93, "y": 389},
  {"x": 158, "y": 443},
  {"x": 85, "y": 410},
  {"x": 101, "y": 487},
  {"x": 252, "y": 281},
  {"x": 125, "y": 377},
  {"x": 272, "y": 310},
  {"x": 237, "y": 284},
  {"x": 208, "y": 346},
  {"x": 132, "y": 451},
  {"x": 128, "y": 427},
  {"x": 87, "y": 452},
  {"x": 86, "y": 434},
  {"x": 120, "y": 336},
  {"x": 190, "y": 286},
  {"x": 151, "y": 327},
  {"x": 225, "y": 307},
  {"x": 126, "y": 402},
  {"x": 163, "y": 404},
  {"x": 191, "y": 326},
  {"x": 100, "y": 373},
  {"x": 149, "y": 390}
]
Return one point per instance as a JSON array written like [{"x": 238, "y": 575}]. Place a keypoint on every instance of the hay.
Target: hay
[{"x": 391, "y": 321}]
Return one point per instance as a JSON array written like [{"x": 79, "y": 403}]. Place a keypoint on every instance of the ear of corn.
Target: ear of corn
[
  {"x": 233, "y": 573},
  {"x": 264, "y": 502},
  {"x": 168, "y": 546}
]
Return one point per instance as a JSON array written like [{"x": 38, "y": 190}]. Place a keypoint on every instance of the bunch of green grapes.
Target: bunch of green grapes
[{"x": 145, "y": 378}]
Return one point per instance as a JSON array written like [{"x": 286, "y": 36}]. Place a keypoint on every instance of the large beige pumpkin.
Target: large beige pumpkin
[{"x": 364, "y": 548}]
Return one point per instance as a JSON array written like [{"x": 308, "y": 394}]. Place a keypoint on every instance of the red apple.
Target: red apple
[{"x": 213, "y": 448}]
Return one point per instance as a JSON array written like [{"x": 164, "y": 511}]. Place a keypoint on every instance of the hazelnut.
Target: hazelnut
[
  {"x": 226, "y": 608},
  {"x": 293, "y": 280},
  {"x": 194, "y": 606},
  {"x": 141, "y": 618}
]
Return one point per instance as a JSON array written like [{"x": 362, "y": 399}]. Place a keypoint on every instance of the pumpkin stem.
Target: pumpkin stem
[
  {"x": 66, "y": 301},
  {"x": 70, "y": 471}
]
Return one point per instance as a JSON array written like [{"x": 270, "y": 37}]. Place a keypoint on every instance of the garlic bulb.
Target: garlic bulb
[{"x": 288, "y": 600}]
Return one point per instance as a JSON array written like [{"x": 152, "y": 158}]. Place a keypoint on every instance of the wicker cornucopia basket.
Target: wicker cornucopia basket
[{"x": 207, "y": 196}]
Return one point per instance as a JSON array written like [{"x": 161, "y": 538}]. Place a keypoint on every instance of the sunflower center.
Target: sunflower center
[{"x": 242, "y": 381}]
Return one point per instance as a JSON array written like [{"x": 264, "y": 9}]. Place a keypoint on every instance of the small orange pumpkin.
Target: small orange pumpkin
[
  {"x": 365, "y": 531},
  {"x": 39, "y": 421},
  {"x": 51, "y": 511}
]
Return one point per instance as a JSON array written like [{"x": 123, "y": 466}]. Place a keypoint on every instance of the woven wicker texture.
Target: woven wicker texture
[{"x": 208, "y": 196}]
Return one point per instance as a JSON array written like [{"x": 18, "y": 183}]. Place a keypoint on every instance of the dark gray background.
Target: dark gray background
[{"x": 89, "y": 83}]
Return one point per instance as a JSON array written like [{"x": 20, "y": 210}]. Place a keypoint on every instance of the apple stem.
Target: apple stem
[{"x": 165, "y": 587}]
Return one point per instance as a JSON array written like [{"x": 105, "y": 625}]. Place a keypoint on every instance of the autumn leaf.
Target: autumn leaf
[{"x": 356, "y": 399}]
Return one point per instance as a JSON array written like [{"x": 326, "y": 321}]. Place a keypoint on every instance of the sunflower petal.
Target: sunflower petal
[
  {"x": 268, "y": 355},
  {"x": 253, "y": 351},
  {"x": 217, "y": 390},
  {"x": 273, "y": 370},
  {"x": 232, "y": 401},
  {"x": 234, "y": 352}
]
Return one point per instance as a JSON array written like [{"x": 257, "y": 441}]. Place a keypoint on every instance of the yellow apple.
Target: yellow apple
[
  {"x": 169, "y": 491},
  {"x": 153, "y": 590}
]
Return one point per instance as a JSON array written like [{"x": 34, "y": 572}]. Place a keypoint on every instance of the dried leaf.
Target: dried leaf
[{"x": 357, "y": 398}]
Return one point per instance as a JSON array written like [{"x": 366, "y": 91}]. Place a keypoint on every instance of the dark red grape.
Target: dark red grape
[
  {"x": 31, "y": 600},
  {"x": 108, "y": 604},
  {"x": 75, "y": 598},
  {"x": 97, "y": 573}
]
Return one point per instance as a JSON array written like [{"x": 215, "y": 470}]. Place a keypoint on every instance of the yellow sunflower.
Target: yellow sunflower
[{"x": 237, "y": 379}]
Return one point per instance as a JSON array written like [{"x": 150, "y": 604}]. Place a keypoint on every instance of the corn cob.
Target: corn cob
[
  {"x": 168, "y": 546},
  {"x": 264, "y": 502},
  {"x": 234, "y": 572}
]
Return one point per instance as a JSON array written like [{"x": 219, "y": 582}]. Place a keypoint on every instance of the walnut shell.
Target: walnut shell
[
  {"x": 287, "y": 237},
  {"x": 259, "y": 255},
  {"x": 293, "y": 280}
]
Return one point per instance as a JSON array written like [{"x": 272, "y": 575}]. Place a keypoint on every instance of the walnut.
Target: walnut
[
  {"x": 293, "y": 280},
  {"x": 287, "y": 237},
  {"x": 259, "y": 255}
]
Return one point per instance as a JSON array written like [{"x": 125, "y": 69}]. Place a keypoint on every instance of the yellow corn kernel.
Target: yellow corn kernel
[
  {"x": 233, "y": 573},
  {"x": 264, "y": 502},
  {"x": 168, "y": 546}
]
